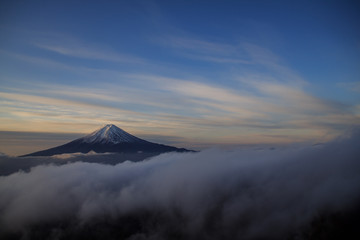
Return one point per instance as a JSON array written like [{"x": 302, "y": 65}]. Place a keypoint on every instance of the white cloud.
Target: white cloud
[
  {"x": 195, "y": 194},
  {"x": 78, "y": 154}
]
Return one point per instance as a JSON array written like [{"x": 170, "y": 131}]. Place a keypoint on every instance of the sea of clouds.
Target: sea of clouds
[{"x": 212, "y": 194}]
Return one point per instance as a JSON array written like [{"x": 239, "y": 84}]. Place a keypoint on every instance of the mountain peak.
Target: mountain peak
[
  {"x": 109, "y": 138},
  {"x": 110, "y": 134}
]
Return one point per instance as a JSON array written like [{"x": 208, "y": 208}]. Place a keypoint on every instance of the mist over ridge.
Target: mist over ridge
[{"x": 213, "y": 194}]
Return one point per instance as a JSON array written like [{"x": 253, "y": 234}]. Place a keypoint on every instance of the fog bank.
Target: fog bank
[{"x": 213, "y": 194}]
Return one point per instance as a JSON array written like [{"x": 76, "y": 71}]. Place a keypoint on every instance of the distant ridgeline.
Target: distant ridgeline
[{"x": 108, "y": 139}]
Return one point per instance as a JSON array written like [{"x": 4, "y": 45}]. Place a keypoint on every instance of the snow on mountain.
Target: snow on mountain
[
  {"x": 111, "y": 134},
  {"x": 108, "y": 139}
]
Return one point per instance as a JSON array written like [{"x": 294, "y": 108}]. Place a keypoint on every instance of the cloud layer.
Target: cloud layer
[
  {"x": 216, "y": 90},
  {"x": 214, "y": 194}
]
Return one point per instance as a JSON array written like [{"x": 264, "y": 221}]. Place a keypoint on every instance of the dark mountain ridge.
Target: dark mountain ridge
[{"x": 108, "y": 139}]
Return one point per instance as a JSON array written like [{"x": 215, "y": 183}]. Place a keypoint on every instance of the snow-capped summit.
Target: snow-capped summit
[
  {"x": 111, "y": 134},
  {"x": 109, "y": 139}
]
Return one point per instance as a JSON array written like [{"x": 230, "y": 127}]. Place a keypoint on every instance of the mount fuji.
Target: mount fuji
[{"x": 108, "y": 139}]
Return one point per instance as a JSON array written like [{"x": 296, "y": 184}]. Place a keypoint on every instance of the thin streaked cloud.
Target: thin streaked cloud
[
  {"x": 351, "y": 86},
  {"x": 73, "y": 47},
  {"x": 267, "y": 96},
  {"x": 271, "y": 105},
  {"x": 79, "y": 51},
  {"x": 207, "y": 51}
]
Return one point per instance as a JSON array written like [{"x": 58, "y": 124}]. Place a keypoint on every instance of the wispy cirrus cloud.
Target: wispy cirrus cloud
[
  {"x": 267, "y": 102},
  {"x": 351, "y": 86},
  {"x": 202, "y": 111},
  {"x": 71, "y": 46},
  {"x": 271, "y": 105},
  {"x": 199, "y": 45},
  {"x": 243, "y": 53},
  {"x": 271, "y": 65},
  {"x": 45, "y": 109},
  {"x": 294, "y": 96},
  {"x": 45, "y": 62},
  {"x": 79, "y": 51},
  {"x": 216, "y": 59},
  {"x": 206, "y": 50}
]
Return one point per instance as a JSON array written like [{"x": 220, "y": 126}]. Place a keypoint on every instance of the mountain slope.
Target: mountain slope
[
  {"x": 108, "y": 139},
  {"x": 111, "y": 134}
]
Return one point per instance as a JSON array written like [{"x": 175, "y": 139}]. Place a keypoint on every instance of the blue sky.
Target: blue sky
[{"x": 201, "y": 72}]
